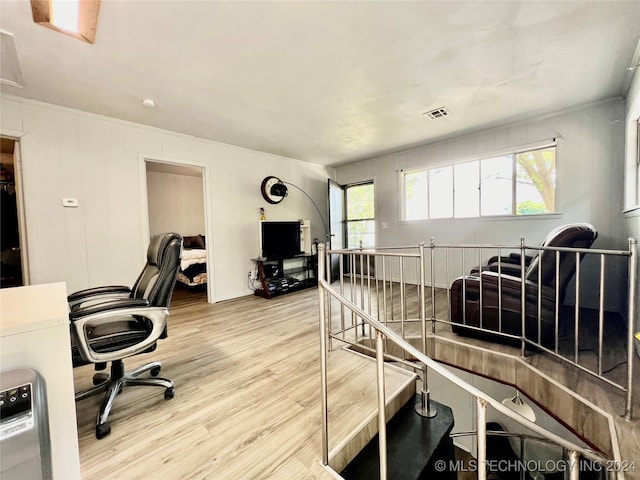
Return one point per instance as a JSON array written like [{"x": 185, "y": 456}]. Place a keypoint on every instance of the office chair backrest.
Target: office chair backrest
[
  {"x": 573, "y": 235},
  {"x": 158, "y": 276}
]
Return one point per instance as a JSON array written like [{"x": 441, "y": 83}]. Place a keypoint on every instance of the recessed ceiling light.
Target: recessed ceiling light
[
  {"x": 147, "y": 102},
  {"x": 437, "y": 113}
]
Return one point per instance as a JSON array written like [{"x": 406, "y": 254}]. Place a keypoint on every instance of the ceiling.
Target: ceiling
[{"x": 330, "y": 82}]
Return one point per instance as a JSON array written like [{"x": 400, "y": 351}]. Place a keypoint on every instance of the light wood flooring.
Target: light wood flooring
[
  {"x": 247, "y": 396},
  {"x": 247, "y": 403}
]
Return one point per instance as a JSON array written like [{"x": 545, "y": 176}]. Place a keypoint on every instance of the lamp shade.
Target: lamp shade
[
  {"x": 279, "y": 190},
  {"x": 517, "y": 405}
]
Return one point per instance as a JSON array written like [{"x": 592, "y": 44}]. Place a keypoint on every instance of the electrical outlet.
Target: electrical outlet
[{"x": 250, "y": 275}]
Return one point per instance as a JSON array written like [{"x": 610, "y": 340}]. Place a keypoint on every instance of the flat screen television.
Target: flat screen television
[{"x": 280, "y": 239}]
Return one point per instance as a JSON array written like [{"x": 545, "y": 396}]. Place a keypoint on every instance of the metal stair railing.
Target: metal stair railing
[
  {"x": 382, "y": 333},
  {"x": 383, "y": 293},
  {"x": 526, "y": 462}
]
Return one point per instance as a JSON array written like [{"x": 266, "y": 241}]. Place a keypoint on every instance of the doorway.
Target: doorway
[
  {"x": 352, "y": 220},
  {"x": 14, "y": 266},
  {"x": 360, "y": 203},
  {"x": 175, "y": 201},
  {"x": 336, "y": 225}
]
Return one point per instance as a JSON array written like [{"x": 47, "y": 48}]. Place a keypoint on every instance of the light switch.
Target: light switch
[{"x": 69, "y": 202}]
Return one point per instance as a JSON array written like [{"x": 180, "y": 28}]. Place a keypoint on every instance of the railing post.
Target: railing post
[
  {"x": 601, "y": 314},
  {"x": 523, "y": 298},
  {"x": 433, "y": 288},
  {"x": 576, "y": 321},
  {"x": 557, "y": 305},
  {"x": 326, "y": 271},
  {"x": 480, "y": 287},
  {"x": 382, "y": 420},
  {"x": 423, "y": 313},
  {"x": 323, "y": 359},
  {"x": 481, "y": 420},
  {"x": 633, "y": 265},
  {"x": 341, "y": 274},
  {"x": 424, "y": 407},
  {"x": 403, "y": 312},
  {"x": 574, "y": 465}
]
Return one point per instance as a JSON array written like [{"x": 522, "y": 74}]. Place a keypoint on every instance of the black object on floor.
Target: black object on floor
[{"x": 416, "y": 447}]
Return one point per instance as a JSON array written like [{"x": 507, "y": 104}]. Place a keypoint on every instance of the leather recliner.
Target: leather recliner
[{"x": 545, "y": 282}]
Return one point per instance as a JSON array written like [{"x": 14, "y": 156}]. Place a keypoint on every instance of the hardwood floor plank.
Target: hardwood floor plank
[
  {"x": 247, "y": 399},
  {"x": 247, "y": 403}
]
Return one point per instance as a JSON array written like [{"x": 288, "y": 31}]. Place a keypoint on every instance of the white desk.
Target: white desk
[{"x": 34, "y": 333}]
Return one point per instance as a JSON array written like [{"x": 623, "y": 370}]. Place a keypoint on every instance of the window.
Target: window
[
  {"x": 441, "y": 192},
  {"x": 466, "y": 178},
  {"x": 496, "y": 180},
  {"x": 416, "y": 188},
  {"x": 518, "y": 183},
  {"x": 536, "y": 181},
  {"x": 361, "y": 224},
  {"x": 77, "y": 18}
]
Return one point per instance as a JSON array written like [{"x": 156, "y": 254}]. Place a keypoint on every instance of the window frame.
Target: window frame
[
  {"x": 347, "y": 221},
  {"x": 512, "y": 152}
]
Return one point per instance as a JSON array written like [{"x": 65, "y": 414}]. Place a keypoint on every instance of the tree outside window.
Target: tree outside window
[
  {"x": 361, "y": 225},
  {"x": 536, "y": 181}
]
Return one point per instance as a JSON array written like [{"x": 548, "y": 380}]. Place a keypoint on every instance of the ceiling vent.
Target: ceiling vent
[
  {"x": 437, "y": 113},
  {"x": 10, "y": 71}
]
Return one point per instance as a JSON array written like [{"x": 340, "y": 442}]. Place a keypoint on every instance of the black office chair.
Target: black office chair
[{"x": 109, "y": 324}]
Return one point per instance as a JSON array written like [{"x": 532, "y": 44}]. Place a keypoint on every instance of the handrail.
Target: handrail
[
  {"x": 482, "y": 398},
  {"x": 502, "y": 433},
  {"x": 417, "y": 252},
  {"x": 440, "y": 369}
]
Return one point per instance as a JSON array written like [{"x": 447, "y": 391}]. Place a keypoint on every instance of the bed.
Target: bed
[{"x": 193, "y": 268}]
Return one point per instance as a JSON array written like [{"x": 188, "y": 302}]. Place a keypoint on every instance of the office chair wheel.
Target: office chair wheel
[
  {"x": 155, "y": 371},
  {"x": 102, "y": 430},
  {"x": 99, "y": 378},
  {"x": 169, "y": 393}
]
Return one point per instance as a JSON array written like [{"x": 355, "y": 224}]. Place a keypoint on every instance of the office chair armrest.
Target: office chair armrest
[
  {"x": 95, "y": 294},
  {"x": 108, "y": 306},
  {"x": 81, "y": 324}
]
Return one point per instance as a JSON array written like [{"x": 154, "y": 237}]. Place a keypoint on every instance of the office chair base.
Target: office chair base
[
  {"x": 102, "y": 430},
  {"x": 119, "y": 380},
  {"x": 115, "y": 383},
  {"x": 99, "y": 386}
]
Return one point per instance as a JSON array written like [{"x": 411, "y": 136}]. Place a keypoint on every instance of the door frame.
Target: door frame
[
  {"x": 334, "y": 273},
  {"x": 345, "y": 222},
  {"x": 206, "y": 198},
  {"x": 16, "y": 136}
]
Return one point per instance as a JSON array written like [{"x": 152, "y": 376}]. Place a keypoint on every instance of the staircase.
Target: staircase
[
  {"x": 416, "y": 447},
  {"x": 378, "y": 317}
]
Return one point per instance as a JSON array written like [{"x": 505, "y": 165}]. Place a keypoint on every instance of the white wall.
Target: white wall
[
  {"x": 589, "y": 170},
  {"x": 632, "y": 176},
  {"x": 590, "y": 179},
  {"x": 68, "y": 153},
  {"x": 175, "y": 203}
]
